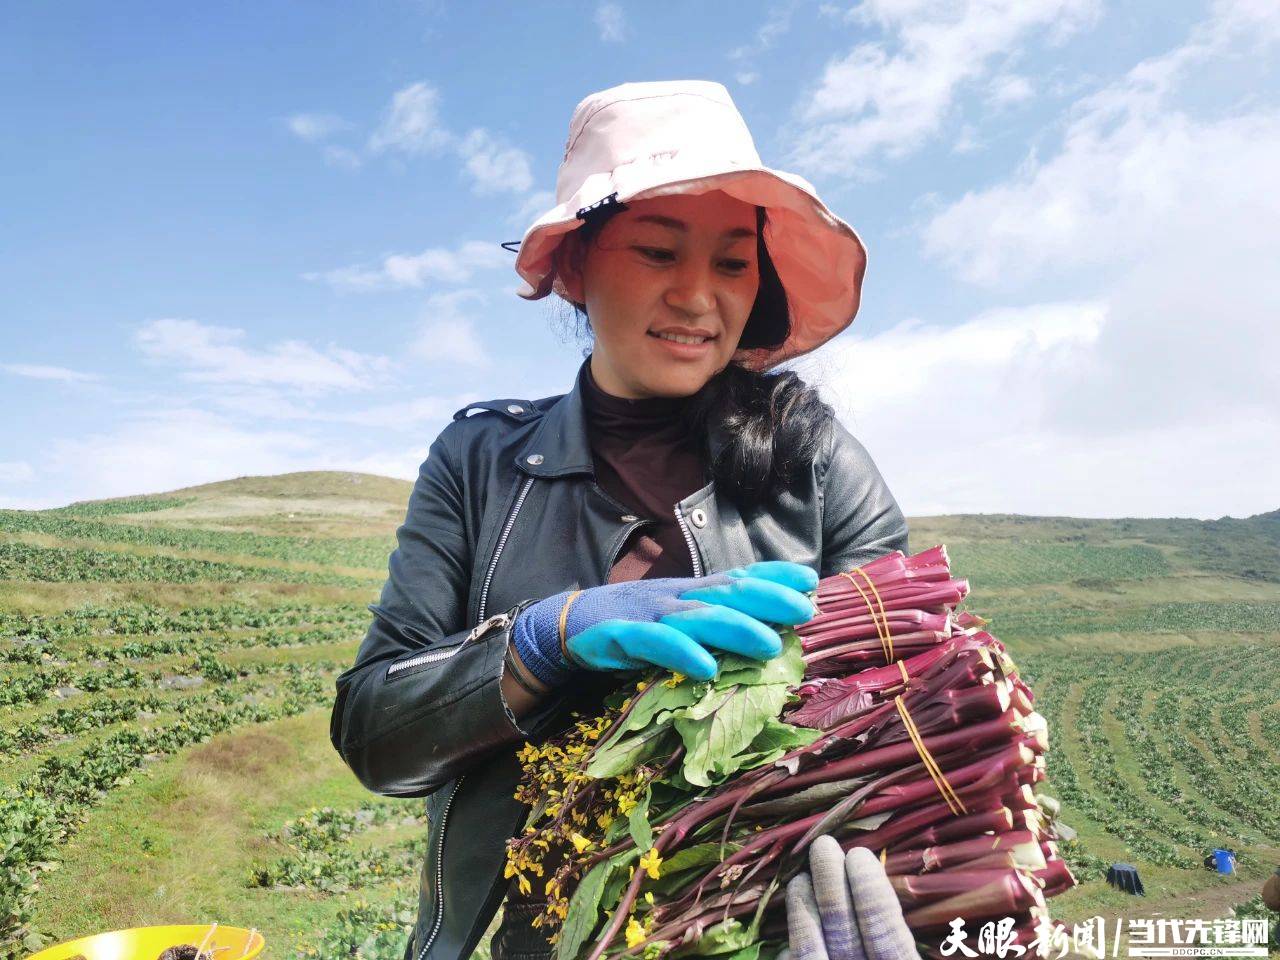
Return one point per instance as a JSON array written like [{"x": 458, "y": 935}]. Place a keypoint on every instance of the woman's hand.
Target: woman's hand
[
  {"x": 845, "y": 909},
  {"x": 669, "y": 622}
]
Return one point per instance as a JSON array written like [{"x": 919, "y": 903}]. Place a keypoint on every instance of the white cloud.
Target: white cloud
[
  {"x": 611, "y": 21},
  {"x": 16, "y": 471},
  {"x": 174, "y": 448},
  {"x": 533, "y": 206},
  {"x": 1134, "y": 172},
  {"x": 167, "y": 449},
  {"x": 1172, "y": 217},
  {"x": 1153, "y": 395},
  {"x": 448, "y": 334},
  {"x": 970, "y": 419},
  {"x": 37, "y": 371},
  {"x": 776, "y": 24},
  {"x": 216, "y": 355},
  {"x": 495, "y": 167},
  {"x": 411, "y": 124},
  {"x": 411, "y": 414},
  {"x": 343, "y": 157},
  {"x": 1112, "y": 194},
  {"x": 400, "y": 270},
  {"x": 315, "y": 127},
  {"x": 889, "y": 97},
  {"x": 1008, "y": 89},
  {"x": 966, "y": 141}
]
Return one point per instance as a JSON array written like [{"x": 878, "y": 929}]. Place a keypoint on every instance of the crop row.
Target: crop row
[
  {"x": 98, "y": 654},
  {"x": 1228, "y": 797},
  {"x": 111, "y": 508},
  {"x": 147, "y": 620},
  {"x": 38, "y": 813},
  {"x": 1230, "y": 617},
  {"x": 1133, "y": 817},
  {"x": 341, "y": 870},
  {"x": 36, "y": 687},
  {"x": 370, "y": 552},
  {"x": 22, "y": 561},
  {"x": 367, "y": 931},
  {"x": 324, "y": 858},
  {"x": 184, "y": 643},
  {"x": 1007, "y": 564}
]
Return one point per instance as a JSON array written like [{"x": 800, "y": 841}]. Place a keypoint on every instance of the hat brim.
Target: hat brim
[{"x": 820, "y": 259}]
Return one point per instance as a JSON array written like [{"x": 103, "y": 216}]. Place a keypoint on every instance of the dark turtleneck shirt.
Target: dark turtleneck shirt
[{"x": 646, "y": 459}]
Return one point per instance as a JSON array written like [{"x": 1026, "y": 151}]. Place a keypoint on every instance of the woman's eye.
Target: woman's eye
[
  {"x": 736, "y": 264},
  {"x": 655, "y": 253}
]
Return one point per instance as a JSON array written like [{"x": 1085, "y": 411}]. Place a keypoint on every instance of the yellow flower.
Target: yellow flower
[
  {"x": 651, "y": 862},
  {"x": 675, "y": 679},
  {"x": 626, "y": 804},
  {"x": 581, "y": 843},
  {"x": 523, "y": 881},
  {"x": 642, "y": 685},
  {"x": 635, "y": 933}
]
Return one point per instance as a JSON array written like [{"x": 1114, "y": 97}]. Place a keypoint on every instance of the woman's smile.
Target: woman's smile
[{"x": 683, "y": 343}]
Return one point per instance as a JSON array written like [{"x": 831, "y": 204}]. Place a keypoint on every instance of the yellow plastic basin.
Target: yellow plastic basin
[{"x": 147, "y": 943}]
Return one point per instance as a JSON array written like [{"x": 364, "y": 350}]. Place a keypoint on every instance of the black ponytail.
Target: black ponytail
[{"x": 774, "y": 424}]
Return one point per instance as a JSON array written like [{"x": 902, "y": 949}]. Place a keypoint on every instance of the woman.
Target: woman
[{"x": 677, "y": 500}]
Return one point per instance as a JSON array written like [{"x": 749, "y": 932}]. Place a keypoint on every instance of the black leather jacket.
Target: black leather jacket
[{"x": 505, "y": 511}]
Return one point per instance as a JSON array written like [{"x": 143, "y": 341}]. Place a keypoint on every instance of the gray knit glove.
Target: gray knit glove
[{"x": 845, "y": 908}]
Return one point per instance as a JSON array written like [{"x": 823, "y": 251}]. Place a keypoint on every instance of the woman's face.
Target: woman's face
[{"x": 676, "y": 266}]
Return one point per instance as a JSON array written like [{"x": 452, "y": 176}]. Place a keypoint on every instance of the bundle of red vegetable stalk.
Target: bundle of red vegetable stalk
[{"x": 890, "y": 721}]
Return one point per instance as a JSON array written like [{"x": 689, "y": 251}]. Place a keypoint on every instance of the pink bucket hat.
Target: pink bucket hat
[{"x": 639, "y": 140}]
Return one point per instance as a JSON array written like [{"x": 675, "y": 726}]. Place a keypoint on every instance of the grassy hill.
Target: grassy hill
[{"x": 168, "y": 663}]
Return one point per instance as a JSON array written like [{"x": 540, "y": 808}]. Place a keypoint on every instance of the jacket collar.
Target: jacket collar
[{"x": 560, "y": 445}]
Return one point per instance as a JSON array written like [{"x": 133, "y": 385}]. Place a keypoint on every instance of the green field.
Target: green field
[{"x": 168, "y": 665}]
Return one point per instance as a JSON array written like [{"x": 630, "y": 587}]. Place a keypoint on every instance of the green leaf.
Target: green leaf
[
  {"x": 638, "y": 819},
  {"x": 728, "y": 936},
  {"x": 699, "y": 855},
  {"x": 617, "y": 828},
  {"x": 625, "y": 755},
  {"x": 683, "y": 865},
  {"x": 620, "y": 877},
  {"x": 708, "y": 704},
  {"x": 773, "y": 741},
  {"x": 787, "y": 667},
  {"x": 713, "y": 742},
  {"x": 655, "y": 699},
  {"x": 584, "y": 909}
]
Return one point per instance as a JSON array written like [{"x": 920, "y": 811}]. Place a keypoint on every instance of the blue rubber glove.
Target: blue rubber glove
[{"x": 668, "y": 622}]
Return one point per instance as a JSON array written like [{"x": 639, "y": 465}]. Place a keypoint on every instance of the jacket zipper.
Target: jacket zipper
[
  {"x": 500, "y": 620},
  {"x": 502, "y": 542},
  {"x": 688, "y": 538},
  {"x": 420, "y": 659},
  {"x": 444, "y": 818}
]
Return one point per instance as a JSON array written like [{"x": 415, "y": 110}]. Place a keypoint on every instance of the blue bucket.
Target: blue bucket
[{"x": 1224, "y": 861}]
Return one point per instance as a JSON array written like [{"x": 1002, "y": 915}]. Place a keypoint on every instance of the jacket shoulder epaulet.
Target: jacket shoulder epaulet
[{"x": 513, "y": 409}]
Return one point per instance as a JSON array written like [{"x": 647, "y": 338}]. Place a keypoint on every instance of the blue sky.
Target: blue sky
[{"x": 251, "y": 238}]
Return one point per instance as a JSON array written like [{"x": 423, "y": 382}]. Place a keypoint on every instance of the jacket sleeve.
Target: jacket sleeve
[
  {"x": 860, "y": 518},
  {"x": 423, "y": 701}
]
